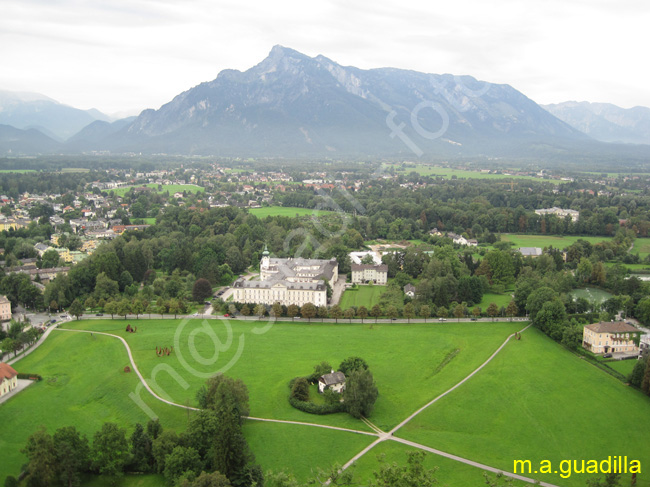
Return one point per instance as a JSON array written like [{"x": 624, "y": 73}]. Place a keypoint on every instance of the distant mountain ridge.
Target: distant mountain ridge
[
  {"x": 32, "y": 110},
  {"x": 294, "y": 105},
  {"x": 604, "y": 121}
]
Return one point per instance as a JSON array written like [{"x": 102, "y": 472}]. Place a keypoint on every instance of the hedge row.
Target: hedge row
[
  {"x": 29, "y": 376},
  {"x": 311, "y": 408}
]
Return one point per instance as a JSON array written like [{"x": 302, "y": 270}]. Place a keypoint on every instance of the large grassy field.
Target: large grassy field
[
  {"x": 533, "y": 401},
  {"x": 83, "y": 385},
  {"x": 171, "y": 188},
  {"x": 286, "y": 211},
  {"x": 404, "y": 359},
  {"x": 557, "y": 241},
  {"x": 537, "y": 402},
  {"x": 366, "y": 296}
]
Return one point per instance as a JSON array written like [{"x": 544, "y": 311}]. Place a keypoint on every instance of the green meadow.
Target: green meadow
[
  {"x": 534, "y": 401},
  {"x": 537, "y": 402},
  {"x": 84, "y": 384}
]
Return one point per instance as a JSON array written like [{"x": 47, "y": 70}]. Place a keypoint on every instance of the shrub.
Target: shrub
[
  {"x": 311, "y": 408},
  {"x": 300, "y": 389}
]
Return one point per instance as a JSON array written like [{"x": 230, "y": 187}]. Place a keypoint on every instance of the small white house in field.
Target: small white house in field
[{"x": 335, "y": 381}]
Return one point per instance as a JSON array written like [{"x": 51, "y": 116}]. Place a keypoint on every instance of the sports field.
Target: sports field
[{"x": 366, "y": 296}]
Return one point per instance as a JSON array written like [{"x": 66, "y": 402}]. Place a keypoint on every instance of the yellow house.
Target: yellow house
[
  {"x": 610, "y": 337},
  {"x": 5, "y": 309},
  {"x": 8, "y": 379}
]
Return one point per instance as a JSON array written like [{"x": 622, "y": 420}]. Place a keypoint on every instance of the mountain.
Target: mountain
[
  {"x": 33, "y": 110},
  {"x": 89, "y": 137},
  {"x": 604, "y": 121},
  {"x": 294, "y": 105},
  {"x": 17, "y": 141}
]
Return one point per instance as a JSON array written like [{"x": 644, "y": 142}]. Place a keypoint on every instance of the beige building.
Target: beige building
[
  {"x": 288, "y": 281},
  {"x": 8, "y": 379},
  {"x": 610, "y": 337},
  {"x": 367, "y": 273},
  {"x": 5, "y": 309}
]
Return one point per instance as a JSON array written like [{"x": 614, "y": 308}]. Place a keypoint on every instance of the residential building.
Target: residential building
[
  {"x": 409, "y": 290},
  {"x": 5, "y": 309},
  {"x": 610, "y": 337},
  {"x": 335, "y": 381},
  {"x": 369, "y": 273},
  {"x": 8, "y": 379}
]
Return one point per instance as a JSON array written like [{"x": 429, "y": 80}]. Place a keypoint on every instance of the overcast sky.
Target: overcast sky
[{"x": 127, "y": 55}]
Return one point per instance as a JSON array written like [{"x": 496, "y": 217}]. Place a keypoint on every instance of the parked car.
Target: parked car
[
  {"x": 473, "y": 319},
  {"x": 442, "y": 319},
  {"x": 99, "y": 314},
  {"x": 607, "y": 355}
]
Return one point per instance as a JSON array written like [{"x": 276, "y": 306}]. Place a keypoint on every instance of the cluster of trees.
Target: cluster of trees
[
  {"x": 640, "y": 376},
  {"x": 212, "y": 452},
  {"x": 17, "y": 336},
  {"x": 358, "y": 396}
]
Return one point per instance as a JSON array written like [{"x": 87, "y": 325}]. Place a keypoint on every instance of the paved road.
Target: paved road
[{"x": 22, "y": 384}]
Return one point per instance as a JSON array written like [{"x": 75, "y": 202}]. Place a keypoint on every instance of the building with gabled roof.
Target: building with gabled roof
[
  {"x": 8, "y": 378},
  {"x": 334, "y": 381}
]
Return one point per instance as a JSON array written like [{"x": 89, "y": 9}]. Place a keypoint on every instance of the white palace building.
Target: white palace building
[{"x": 288, "y": 281}]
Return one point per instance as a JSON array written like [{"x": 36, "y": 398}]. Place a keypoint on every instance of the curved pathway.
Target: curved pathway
[{"x": 380, "y": 435}]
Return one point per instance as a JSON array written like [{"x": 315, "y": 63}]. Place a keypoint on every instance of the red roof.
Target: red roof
[{"x": 7, "y": 371}]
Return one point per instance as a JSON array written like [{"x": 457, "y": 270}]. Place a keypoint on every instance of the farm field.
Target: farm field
[
  {"x": 171, "y": 188},
  {"x": 20, "y": 171},
  {"x": 285, "y": 211},
  {"x": 592, "y": 294},
  {"x": 535, "y": 401},
  {"x": 366, "y": 296},
  {"x": 84, "y": 388}
]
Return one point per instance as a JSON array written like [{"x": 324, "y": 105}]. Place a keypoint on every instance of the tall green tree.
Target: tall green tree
[
  {"x": 360, "y": 393},
  {"x": 110, "y": 451},
  {"x": 41, "y": 466},
  {"x": 72, "y": 455}
]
